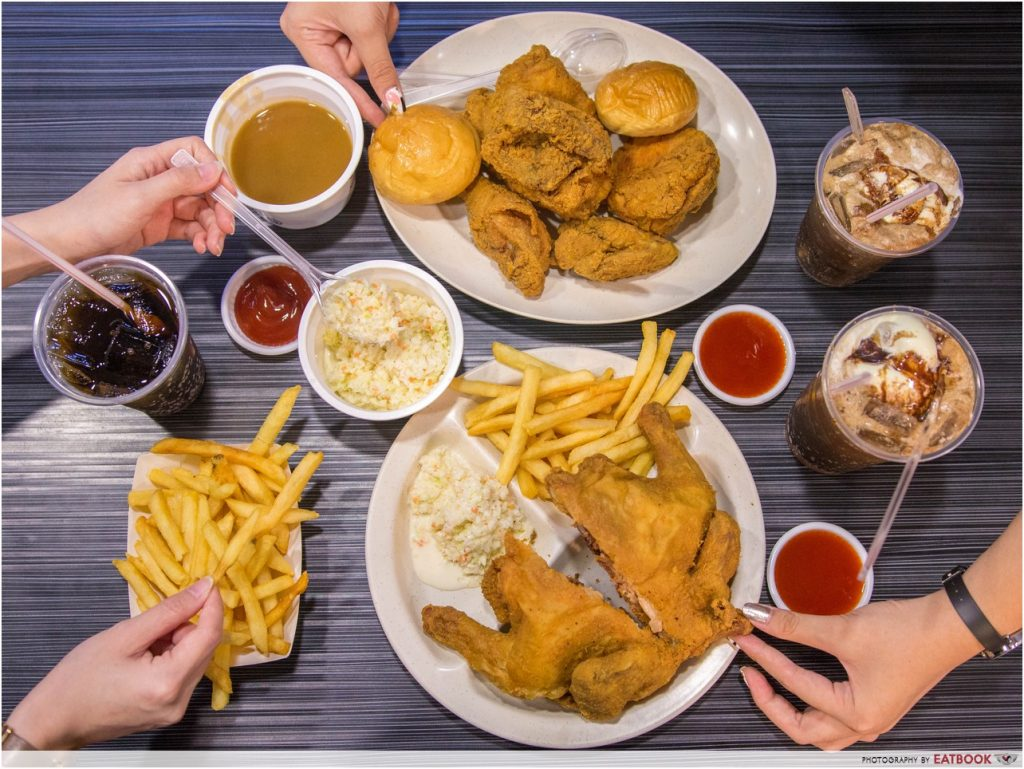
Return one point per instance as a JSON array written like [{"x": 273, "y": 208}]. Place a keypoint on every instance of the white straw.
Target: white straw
[{"x": 901, "y": 203}]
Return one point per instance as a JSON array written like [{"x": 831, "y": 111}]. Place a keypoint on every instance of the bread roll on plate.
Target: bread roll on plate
[
  {"x": 428, "y": 154},
  {"x": 649, "y": 98}
]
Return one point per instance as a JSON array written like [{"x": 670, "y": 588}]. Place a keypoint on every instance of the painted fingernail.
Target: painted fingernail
[
  {"x": 201, "y": 589},
  {"x": 393, "y": 100},
  {"x": 757, "y": 613}
]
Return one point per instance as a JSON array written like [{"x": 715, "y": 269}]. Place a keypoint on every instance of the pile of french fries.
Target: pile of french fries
[
  {"x": 232, "y": 520},
  {"x": 554, "y": 419}
]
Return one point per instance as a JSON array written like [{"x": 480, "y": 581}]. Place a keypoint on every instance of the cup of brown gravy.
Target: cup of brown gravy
[
  {"x": 90, "y": 351},
  {"x": 291, "y": 138}
]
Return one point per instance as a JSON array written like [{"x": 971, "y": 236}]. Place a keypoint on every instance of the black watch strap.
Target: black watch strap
[{"x": 995, "y": 645}]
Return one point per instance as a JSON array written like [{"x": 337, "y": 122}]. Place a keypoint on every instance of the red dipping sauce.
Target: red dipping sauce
[
  {"x": 269, "y": 305},
  {"x": 816, "y": 573},
  {"x": 742, "y": 354}
]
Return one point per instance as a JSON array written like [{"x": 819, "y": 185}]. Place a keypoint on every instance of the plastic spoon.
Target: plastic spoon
[
  {"x": 587, "y": 53},
  {"x": 853, "y": 113},
  {"x": 901, "y": 490},
  {"x": 146, "y": 322},
  {"x": 314, "y": 276}
]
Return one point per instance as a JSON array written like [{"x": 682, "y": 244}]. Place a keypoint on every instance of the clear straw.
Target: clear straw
[
  {"x": 900, "y": 203},
  {"x": 849, "y": 384},
  {"x": 854, "y": 114},
  {"x": 901, "y": 490}
]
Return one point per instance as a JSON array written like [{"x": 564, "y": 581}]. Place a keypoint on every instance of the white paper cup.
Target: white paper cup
[{"x": 254, "y": 92}]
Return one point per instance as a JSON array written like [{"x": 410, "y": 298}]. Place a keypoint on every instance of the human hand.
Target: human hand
[
  {"x": 894, "y": 652},
  {"x": 343, "y": 39},
  {"x": 137, "y": 675}
]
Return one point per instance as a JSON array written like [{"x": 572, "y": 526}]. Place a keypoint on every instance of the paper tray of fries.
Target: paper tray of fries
[{"x": 169, "y": 462}]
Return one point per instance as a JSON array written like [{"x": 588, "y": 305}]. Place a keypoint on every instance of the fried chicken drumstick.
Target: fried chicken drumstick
[{"x": 565, "y": 642}]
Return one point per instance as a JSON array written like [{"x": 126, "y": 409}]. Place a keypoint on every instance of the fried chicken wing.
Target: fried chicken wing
[
  {"x": 602, "y": 248},
  {"x": 546, "y": 150},
  {"x": 506, "y": 227},
  {"x": 537, "y": 70},
  {"x": 669, "y": 551},
  {"x": 564, "y": 641},
  {"x": 657, "y": 180}
]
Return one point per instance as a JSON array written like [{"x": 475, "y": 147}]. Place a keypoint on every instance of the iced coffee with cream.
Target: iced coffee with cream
[
  {"x": 837, "y": 245},
  {"x": 896, "y": 380}
]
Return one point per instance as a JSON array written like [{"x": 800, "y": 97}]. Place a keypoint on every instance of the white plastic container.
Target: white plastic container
[
  {"x": 254, "y": 92},
  {"x": 392, "y": 274}
]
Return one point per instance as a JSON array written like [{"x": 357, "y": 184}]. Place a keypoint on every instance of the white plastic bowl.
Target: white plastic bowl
[
  {"x": 254, "y": 92},
  {"x": 396, "y": 275},
  {"x": 787, "y": 340},
  {"x": 773, "y": 590},
  {"x": 227, "y": 308}
]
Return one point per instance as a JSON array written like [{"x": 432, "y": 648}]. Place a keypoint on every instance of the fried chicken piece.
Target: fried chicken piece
[
  {"x": 669, "y": 551},
  {"x": 548, "y": 151},
  {"x": 602, "y": 248},
  {"x": 658, "y": 180},
  {"x": 506, "y": 227},
  {"x": 478, "y": 110},
  {"x": 564, "y": 641},
  {"x": 537, "y": 70}
]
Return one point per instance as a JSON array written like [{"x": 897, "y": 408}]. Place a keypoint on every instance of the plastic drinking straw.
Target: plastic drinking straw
[
  {"x": 901, "y": 489},
  {"x": 854, "y": 114},
  {"x": 901, "y": 203},
  {"x": 850, "y": 383}
]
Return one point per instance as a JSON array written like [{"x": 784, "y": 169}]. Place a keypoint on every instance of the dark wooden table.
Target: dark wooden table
[{"x": 82, "y": 83}]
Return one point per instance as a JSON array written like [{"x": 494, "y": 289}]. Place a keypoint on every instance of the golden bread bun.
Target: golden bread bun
[
  {"x": 649, "y": 98},
  {"x": 427, "y": 154}
]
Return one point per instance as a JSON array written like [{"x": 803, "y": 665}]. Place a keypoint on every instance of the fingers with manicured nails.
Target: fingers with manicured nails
[
  {"x": 167, "y": 615},
  {"x": 174, "y": 182},
  {"x": 816, "y": 690},
  {"x": 821, "y": 632},
  {"x": 376, "y": 58},
  {"x": 196, "y": 646},
  {"x": 811, "y": 727}
]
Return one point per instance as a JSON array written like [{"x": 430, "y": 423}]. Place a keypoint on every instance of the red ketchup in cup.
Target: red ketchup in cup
[{"x": 269, "y": 305}]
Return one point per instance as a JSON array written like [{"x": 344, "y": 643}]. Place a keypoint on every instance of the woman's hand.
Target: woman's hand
[
  {"x": 137, "y": 675},
  {"x": 893, "y": 653},
  {"x": 343, "y": 39},
  {"x": 138, "y": 201}
]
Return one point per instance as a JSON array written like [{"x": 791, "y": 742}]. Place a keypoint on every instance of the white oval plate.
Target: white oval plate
[
  {"x": 398, "y": 595},
  {"x": 713, "y": 244}
]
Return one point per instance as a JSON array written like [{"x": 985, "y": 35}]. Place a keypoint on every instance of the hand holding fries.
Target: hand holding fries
[
  {"x": 554, "y": 411},
  {"x": 231, "y": 521}
]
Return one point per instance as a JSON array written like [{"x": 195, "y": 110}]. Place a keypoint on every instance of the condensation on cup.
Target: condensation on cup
[
  {"x": 893, "y": 379},
  {"x": 836, "y": 244},
  {"x": 89, "y": 351}
]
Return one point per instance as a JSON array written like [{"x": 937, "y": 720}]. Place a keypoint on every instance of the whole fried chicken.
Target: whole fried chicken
[
  {"x": 669, "y": 551},
  {"x": 546, "y": 150},
  {"x": 537, "y": 70},
  {"x": 506, "y": 227},
  {"x": 564, "y": 641},
  {"x": 602, "y": 248},
  {"x": 658, "y": 180}
]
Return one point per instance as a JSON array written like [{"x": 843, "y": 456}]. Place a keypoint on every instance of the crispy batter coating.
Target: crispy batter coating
[
  {"x": 506, "y": 227},
  {"x": 565, "y": 642},
  {"x": 602, "y": 248},
  {"x": 669, "y": 550},
  {"x": 660, "y": 179},
  {"x": 548, "y": 151},
  {"x": 537, "y": 70}
]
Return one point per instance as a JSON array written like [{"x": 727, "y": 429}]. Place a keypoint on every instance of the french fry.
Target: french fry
[
  {"x": 254, "y": 616},
  {"x": 527, "y": 485},
  {"x": 161, "y": 516},
  {"x": 229, "y": 597},
  {"x": 201, "y": 550},
  {"x": 164, "y": 480},
  {"x": 241, "y": 538},
  {"x": 189, "y": 526},
  {"x": 667, "y": 389},
  {"x": 270, "y": 587},
  {"x": 285, "y": 598},
  {"x": 517, "y": 435},
  {"x": 138, "y": 499},
  {"x": 138, "y": 563},
  {"x": 161, "y": 553},
  {"x": 281, "y": 534},
  {"x": 143, "y": 592},
  {"x": 480, "y": 388},
  {"x": 206, "y": 468},
  {"x": 201, "y": 448},
  {"x": 543, "y": 449},
  {"x": 226, "y": 524},
  {"x": 500, "y": 422},
  {"x": 668, "y": 336},
  {"x": 680, "y": 415},
  {"x": 562, "y": 383},
  {"x": 274, "y": 422},
  {"x": 250, "y": 481},
  {"x": 544, "y": 422},
  {"x": 215, "y": 540},
  {"x": 627, "y": 450},
  {"x": 220, "y": 676},
  {"x": 174, "y": 505},
  {"x": 587, "y": 423},
  {"x": 261, "y": 557},
  {"x": 538, "y": 468},
  {"x": 283, "y": 453},
  {"x": 604, "y": 443},
  {"x": 648, "y": 348},
  {"x": 642, "y": 464},
  {"x": 514, "y": 358},
  {"x": 292, "y": 490},
  {"x": 202, "y": 484},
  {"x": 160, "y": 579},
  {"x": 279, "y": 563}
]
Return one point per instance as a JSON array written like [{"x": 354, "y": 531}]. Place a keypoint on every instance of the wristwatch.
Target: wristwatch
[
  {"x": 995, "y": 645},
  {"x": 11, "y": 741}
]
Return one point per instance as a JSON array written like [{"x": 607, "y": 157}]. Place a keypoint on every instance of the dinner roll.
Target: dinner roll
[
  {"x": 427, "y": 154},
  {"x": 649, "y": 98}
]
